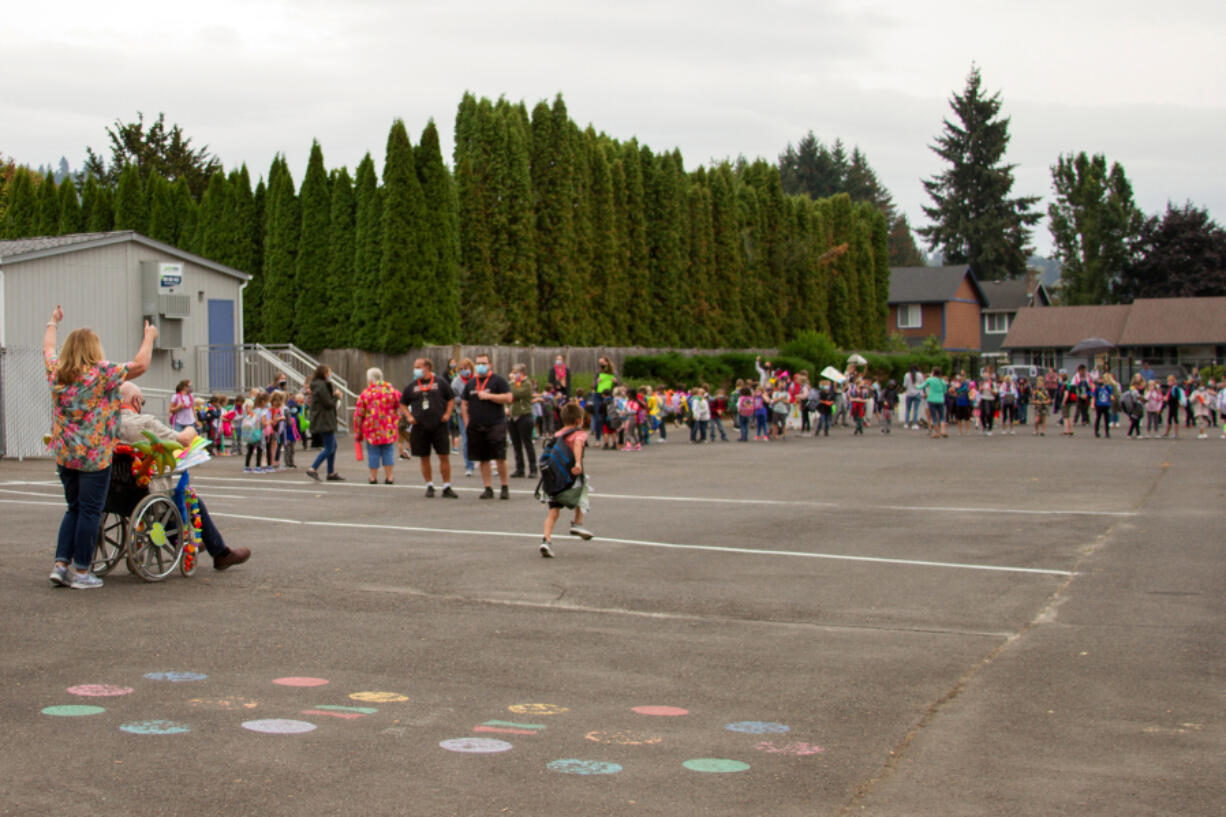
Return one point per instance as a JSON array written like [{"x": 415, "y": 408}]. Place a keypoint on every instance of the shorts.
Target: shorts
[
  {"x": 1066, "y": 409},
  {"x": 487, "y": 443},
  {"x": 421, "y": 440},
  {"x": 576, "y": 496},
  {"x": 937, "y": 412},
  {"x": 962, "y": 413},
  {"x": 382, "y": 454}
]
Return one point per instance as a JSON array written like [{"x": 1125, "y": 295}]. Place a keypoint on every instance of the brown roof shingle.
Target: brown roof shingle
[
  {"x": 1062, "y": 327},
  {"x": 1171, "y": 321}
]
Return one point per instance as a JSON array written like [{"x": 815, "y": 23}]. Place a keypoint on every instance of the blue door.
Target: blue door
[{"x": 223, "y": 355}]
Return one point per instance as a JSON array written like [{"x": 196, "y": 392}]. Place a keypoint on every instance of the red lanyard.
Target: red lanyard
[
  {"x": 481, "y": 386},
  {"x": 429, "y": 387}
]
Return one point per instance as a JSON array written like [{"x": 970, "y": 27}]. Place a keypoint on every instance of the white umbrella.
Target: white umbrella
[{"x": 856, "y": 359}]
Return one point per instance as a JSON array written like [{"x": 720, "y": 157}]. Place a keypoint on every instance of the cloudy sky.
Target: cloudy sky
[{"x": 1141, "y": 82}]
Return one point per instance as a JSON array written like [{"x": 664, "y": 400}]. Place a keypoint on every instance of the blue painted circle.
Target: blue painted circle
[
  {"x": 715, "y": 765},
  {"x": 576, "y": 766},
  {"x": 758, "y": 728},
  {"x": 175, "y": 677},
  {"x": 156, "y": 728}
]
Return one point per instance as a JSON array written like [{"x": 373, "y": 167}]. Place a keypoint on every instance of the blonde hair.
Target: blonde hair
[
  {"x": 82, "y": 350},
  {"x": 261, "y": 400},
  {"x": 278, "y": 399}
]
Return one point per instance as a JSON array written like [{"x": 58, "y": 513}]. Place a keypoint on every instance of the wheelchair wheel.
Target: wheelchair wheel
[
  {"x": 155, "y": 538},
  {"x": 111, "y": 540}
]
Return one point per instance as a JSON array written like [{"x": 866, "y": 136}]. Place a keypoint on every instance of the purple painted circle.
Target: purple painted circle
[
  {"x": 584, "y": 767},
  {"x": 296, "y": 681},
  {"x": 279, "y": 726},
  {"x": 175, "y": 677},
  {"x": 99, "y": 690},
  {"x": 476, "y": 746},
  {"x": 662, "y": 711}
]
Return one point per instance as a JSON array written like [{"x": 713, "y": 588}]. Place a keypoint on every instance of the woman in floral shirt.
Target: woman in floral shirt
[
  {"x": 85, "y": 422},
  {"x": 374, "y": 421}
]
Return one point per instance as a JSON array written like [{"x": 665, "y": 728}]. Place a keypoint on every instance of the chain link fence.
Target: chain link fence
[{"x": 25, "y": 403}]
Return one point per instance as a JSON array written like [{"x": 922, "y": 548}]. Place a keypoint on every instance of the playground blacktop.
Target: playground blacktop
[{"x": 852, "y": 626}]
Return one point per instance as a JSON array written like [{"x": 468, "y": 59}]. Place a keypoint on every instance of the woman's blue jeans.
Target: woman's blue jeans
[
  {"x": 85, "y": 492},
  {"x": 328, "y": 453}
]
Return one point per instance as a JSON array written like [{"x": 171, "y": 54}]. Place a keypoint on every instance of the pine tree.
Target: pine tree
[
  {"x": 253, "y": 295},
  {"x": 242, "y": 225},
  {"x": 903, "y": 252},
  {"x": 881, "y": 280},
  {"x": 367, "y": 255},
  {"x": 342, "y": 299},
  {"x": 841, "y": 319},
  {"x": 584, "y": 278},
  {"x": 699, "y": 273},
  {"x": 514, "y": 290},
  {"x": 553, "y": 188},
  {"x": 641, "y": 308},
  {"x": 158, "y": 199},
  {"x": 481, "y": 319},
  {"x": 607, "y": 262},
  {"x": 70, "y": 209},
  {"x": 975, "y": 221},
  {"x": 185, "y": 216},
  {"x": 443, "y": 264},
  {"x": 98, "y": 203},
  {"x": 403, "y": 292},
  {"x": 310, "y": 329},
  {"x": 665, "y": 228},
  {"x": 282, "y": 224},
  {"x": 865, "y": 276},
  {"x": 727, "y": 280},
  {"x": 21, "y": 215},
  {"x": 130, "y": 202},
  {"x": 211, "y": 238},
  {"x": 48, "y": 207}
]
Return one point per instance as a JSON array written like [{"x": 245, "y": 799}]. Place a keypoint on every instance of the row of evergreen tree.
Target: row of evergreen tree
[{"x": 544, "y": 233}]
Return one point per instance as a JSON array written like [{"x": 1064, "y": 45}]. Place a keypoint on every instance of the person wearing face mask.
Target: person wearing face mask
[
  {"x": 485, "y": 398},
  {"x": 559, "y": 376},
  {"x": 464, "y": 373},
  {"x": 523, "y": 394},
  {"x": 279, "y": 383},
  {"x": 428, "y": 403}
]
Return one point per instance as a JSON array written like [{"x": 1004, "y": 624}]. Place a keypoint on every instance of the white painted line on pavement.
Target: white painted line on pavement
[{"x": 59, "y": 504}]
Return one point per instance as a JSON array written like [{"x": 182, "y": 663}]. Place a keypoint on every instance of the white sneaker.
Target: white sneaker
[
  {"x": 83, "y": 581},
  {"x": 59, "y": 575},
  {"x": 546, "y": 551},
  {"x": 582, "y": 532}
]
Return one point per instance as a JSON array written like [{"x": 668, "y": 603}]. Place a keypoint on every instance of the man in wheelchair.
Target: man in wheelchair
[{"x": 132, "y": 422}]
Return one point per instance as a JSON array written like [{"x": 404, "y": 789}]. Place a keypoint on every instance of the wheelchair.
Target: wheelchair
[{"x": 150, "y": 530}]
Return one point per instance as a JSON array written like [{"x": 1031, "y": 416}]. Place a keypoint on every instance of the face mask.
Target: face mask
[
  {"x": 558, "y": 361},
  {"x": 417, "y": 374},
  {"x": 466, "y": 373},
  {"x": 482, "y": 369}
]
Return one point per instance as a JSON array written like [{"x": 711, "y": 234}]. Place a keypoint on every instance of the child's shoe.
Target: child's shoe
[{"x": 545, "y": 549}]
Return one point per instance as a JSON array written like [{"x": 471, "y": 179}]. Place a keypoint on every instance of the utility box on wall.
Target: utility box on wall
[{"x": 165, "y": 301}]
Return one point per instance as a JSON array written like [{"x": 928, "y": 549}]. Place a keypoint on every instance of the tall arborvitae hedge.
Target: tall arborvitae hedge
[{"x": 544, "y": 232}]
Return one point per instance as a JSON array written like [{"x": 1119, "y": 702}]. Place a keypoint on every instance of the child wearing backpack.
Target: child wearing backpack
[
  {"x": 562, "y": 477},
  {"x": 254, "y": 425}
]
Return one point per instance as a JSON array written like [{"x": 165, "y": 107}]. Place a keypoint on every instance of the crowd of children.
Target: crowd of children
[{"x": 265, "y": 425}]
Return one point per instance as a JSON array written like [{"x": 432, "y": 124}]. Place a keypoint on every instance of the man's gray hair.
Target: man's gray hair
[
  {"x": 129, "y": 391},
  {"x": 374, "y": 375}
]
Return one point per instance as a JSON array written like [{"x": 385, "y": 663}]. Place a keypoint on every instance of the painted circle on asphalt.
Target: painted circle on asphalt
[
  {"x": 72, "y": 710},
  {"x": 155, "y": 728},
  {"x": 175, "y": 677},
  {"x": 229, "y": 703},
  {"x": 296, "y": 681},
  {"x": 715, "y": 765},
  {"x": 795, "y": 749},
  {"x": 538, "y": 709},
  {"x": 279, "y": 726},
  {"x": 758, "y": 728},
  {"x": 662, "y": 711},
  {"x": 379, "y": 697},
  {"x": 623, "y": 738},
  {"x": 99, "y": 690},
  {"x": 576, "y": 766},
  {"x": 475, "y": 746}
]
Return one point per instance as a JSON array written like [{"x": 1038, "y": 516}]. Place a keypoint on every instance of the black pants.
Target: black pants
[
  {"x": 1134, "y": 424},
  {"x": 1102, "y": 414},
  {"x": 987, "y": 413},
  {"x": 1083, "y": 412},
  {"x": 521, "y": 438}
]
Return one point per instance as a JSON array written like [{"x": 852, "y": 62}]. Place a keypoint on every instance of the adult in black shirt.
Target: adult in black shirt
[
  {"x": 427, "y": 403},
  {"x": 484, "y": 409}
]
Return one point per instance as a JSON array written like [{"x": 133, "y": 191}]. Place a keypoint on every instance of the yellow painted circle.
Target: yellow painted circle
[
  {"x": 538, "y": 709},
  {"x": 623, "y": 738},
  {"x": 379, "y": 697}
]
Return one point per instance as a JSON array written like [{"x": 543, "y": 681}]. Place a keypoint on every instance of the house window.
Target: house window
[
  {"x": 910, "y": 316},
  {"x": 996, "y": 323}
]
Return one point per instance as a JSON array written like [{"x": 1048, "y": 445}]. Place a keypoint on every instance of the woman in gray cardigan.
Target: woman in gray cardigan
[{"x": 324, "y": 400}]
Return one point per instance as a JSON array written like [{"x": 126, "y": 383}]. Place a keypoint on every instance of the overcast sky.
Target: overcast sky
[{"x": 1141, "y": 82}]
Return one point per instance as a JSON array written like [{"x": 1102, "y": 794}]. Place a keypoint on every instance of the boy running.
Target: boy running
[{"x": 576, "y": 496}]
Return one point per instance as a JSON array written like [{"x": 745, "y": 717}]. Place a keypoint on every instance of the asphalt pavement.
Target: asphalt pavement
[{"x": 871, "y": 626}]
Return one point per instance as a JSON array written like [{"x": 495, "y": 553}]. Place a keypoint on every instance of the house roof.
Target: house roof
[
  {"x": 1144, "y": 322},
  {"x": 28, "y": 249},
  {"x": 1011, "y": 295},
  {"x": 929, "y": 285}
]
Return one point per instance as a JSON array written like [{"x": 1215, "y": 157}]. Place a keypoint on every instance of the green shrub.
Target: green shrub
[{"x": 815, "y": 347}]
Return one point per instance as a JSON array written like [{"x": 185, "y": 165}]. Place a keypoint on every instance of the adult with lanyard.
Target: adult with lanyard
[
  {"x": 324, "y": 400},
  {"x": 427, "y": 403},
  {"x": 523, "y": 395},
  {"x": 484, "y": 414},
  {"x": 602, "y": 384},
  {"x": 85, "y": 404},
  {"x": 559, "y": 375}
]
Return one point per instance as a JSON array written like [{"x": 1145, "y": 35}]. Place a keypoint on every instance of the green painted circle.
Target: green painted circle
[
  {"x": 72, "y": 710},
  {"x": 715, "y": 765}
]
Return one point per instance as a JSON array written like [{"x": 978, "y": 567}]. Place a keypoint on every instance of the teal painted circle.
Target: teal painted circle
[
  {"x": 155, "y": 728},
  {"x": 176, "y": 677},
  {"x": 758, "y": 728},
  {"x": 72, "y": 711},
  {"x": 576, "y": 766},
  {"x": 715, "y": 765}
]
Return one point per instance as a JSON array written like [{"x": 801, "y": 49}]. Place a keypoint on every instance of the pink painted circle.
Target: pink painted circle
[
  {"x": 662, "y": 711},
  {"x": 295, "y": 681},
  {"x": 99, "y": 690}
]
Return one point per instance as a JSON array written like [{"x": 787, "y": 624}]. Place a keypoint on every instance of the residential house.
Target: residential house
[
  {"x": 941, "y": 302},
  {"x": 1005, "y": 298}
]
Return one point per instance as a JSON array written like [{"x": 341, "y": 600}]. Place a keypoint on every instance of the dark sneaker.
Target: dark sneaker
[
  {"x": 488, "y": 493},
  {"x": 312, "y": 473},
  {"x": 546, "y": 551},
  {"x": 505, "y": 493},
  {"x": 517, "y": 475},
  {"x": 335, "y": 477},
  {"x": 233, "y": 556},
  {"x": 429, "y": 490},
  {"x": 450, "y": 494}
]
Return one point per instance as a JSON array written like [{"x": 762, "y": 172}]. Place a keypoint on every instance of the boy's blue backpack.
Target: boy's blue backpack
[
  {"x": 555, "y": 463},
  {"x": 1102, "y": 396}
]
